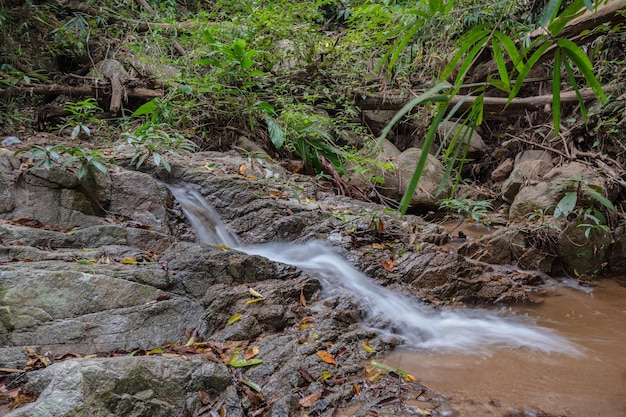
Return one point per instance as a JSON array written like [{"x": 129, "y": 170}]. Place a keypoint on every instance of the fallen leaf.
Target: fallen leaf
[
  {"x": 357, "y": 389},
  {"x": 251, "y": 385},
  {"x": 310, "y": 399},
  {"x": 378, "y": 246},
  {"x": 256, "y": 300},
  {"x": 255, "y": 293},
  {"x": 302, "y": 299},
  {"x": 235, "y": 317},
  {"x": 251, "y": 352},
  {"x": 240, "y": 363},
  {"x": 242, "y": 169},
  {"x": 326, "y": 357},
  {"x": 325, "y": 375},
  {"x": 388, "y": 264},
  {"x": 129, "y": 261},
  {"x": 367, "y": 347},
  {"x": 205, "y": 398}
]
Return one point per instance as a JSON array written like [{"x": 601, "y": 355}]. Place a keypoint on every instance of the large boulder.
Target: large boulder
[
  {"x": 425, "y": 196},
  {"x": 150, "y": 386}
]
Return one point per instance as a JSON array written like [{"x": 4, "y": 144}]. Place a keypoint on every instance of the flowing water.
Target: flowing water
[
  {"x": 592, "y": 384},
  {"x": 420, "y": 326}
]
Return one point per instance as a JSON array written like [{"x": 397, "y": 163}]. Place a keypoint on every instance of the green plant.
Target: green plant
[
  {"x": 510, "y": 77},
  {"x": 81, "y": 113},
  {"x": 587, "y": 217},
  {"x": 476, "y": 210},
  {"x": 155, "y": 140},
  {"x": 307, "y": 134},
  {"x": 79, "y": 161}
]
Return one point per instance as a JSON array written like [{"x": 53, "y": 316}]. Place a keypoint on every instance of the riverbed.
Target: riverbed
[{"x": 492, "y": 382}]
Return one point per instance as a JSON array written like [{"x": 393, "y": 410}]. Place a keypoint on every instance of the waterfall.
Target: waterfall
[{"x": 460, "y": 330}]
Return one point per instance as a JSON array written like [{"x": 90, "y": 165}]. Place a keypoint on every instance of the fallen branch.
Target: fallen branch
[
  {"x": 491, "y": 105},
  {"x": 103, "y": 88}
]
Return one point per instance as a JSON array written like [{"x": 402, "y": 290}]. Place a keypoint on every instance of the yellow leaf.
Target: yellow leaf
[
  {"x": 255, "y": 293},
  {"x": 156, "y": 351},
  {"x": 325, "y": 375},
  {"x": 235, "y": 317},
  {"x": 410, "y": 378},
  {"x": 129, "y": 261},
  {"x": 191, "y": 341},
  {"x": 222, "y": 247},
  {"x": 368, "y": 348},
  {"x": 326, "y": 357},
  {"x": 242, "y": 169},
  {"x": 378, "y": 246},
  {"x": 256, "y": 300}
]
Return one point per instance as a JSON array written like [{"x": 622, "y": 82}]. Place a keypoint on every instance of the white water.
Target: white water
[{"x": 464, "y": 330}]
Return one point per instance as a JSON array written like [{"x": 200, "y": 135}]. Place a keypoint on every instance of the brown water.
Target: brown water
[{"x": 490, "y": 383}]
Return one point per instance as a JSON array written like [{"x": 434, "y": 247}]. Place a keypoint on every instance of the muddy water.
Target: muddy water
[{"x": 493, "y": 382}]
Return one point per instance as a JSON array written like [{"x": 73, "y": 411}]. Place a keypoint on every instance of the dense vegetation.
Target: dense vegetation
[{"x": 294, "y": 77}]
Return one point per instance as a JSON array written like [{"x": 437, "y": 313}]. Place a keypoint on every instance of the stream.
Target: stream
[
  {"x": 564, "y": 354},
  {"x": 592, "y": 384}
]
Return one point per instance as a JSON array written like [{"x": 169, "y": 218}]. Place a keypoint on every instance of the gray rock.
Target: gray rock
[
  {"x": 581, "y": 255},
  {"x": 425, "y": 196},
  {"x": 150, "y": 386},
  {"x": 447, "y": 131},
  {"x": 10, "y": 140}
]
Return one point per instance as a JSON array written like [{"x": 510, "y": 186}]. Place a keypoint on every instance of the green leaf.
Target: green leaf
[
  {"x": 600, "y": 199},
  {"x": 501, "y": 64},
  {"x": 549, "y": 11},
  {"x": 468, "y": 61},
  {"x": 580, "y": 59},
  {"x": 146, "y": 108},
  {"x": 240, "y": 363},
  {"x": 421, "y": 163},
  {"x": 556, "y": 92},
  {"x": 467, "y": 42},
  {"x": 566, "y": 205},
  {"x": 75, "y": 132},
  {"x": 277, "y": 134},
  {"x": 526, "y": 69}
]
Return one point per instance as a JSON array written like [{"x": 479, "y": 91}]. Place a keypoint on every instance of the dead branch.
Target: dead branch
[
  {"x": 101, "y": 89},
  {"x": 491, "y": 105}
]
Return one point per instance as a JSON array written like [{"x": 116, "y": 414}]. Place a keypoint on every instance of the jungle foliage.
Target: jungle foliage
[{"x": 291, "y": 74}]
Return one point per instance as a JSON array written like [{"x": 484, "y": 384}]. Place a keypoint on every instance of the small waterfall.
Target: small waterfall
[{"x": 462, "y": 330}]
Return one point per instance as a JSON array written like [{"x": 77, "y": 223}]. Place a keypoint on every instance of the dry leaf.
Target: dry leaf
[
  {"x": 250, "y": 353},
  {"x": 255, "y": 293},
  {"x": 205, "y": 398},
  {"x": 378, "y": 246},
  {"x": 367, "y": 347},
  {"x": 388, "y": 264},
  {"x": 302, "y": 299},
  {"x": 310, "y": 399},
  {"x": 242, "y": 169},
  {"x": 326, "y": 357}
]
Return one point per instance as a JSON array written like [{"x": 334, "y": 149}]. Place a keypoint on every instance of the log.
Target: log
[
  {"x": 491, "y": 105},
  {"x": 101, "y": 89}
]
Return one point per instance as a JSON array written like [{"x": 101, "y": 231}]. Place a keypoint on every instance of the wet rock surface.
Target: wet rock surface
[{"x": 112, "y": 267}]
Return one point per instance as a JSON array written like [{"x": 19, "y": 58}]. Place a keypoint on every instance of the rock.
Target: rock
[
  {"x": 533, "y": 155},
  {"x": 10, "y": 141},
  {"x": 581, "y": 255},
  {"x": 149, "y": 386},
  {"x": 424, "y": 197},
  {"x": 365, "y": 174},
  {"x": 524, "y": 173},
  {"x": 503, "y": 170},
  {"x": 138, "y": 197},
  {"x": 377, "y": 120},
  {"x": 107, "y": 68},
  {"x": 447, "y": 131},
  {"x": 540, "y": 197}
]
